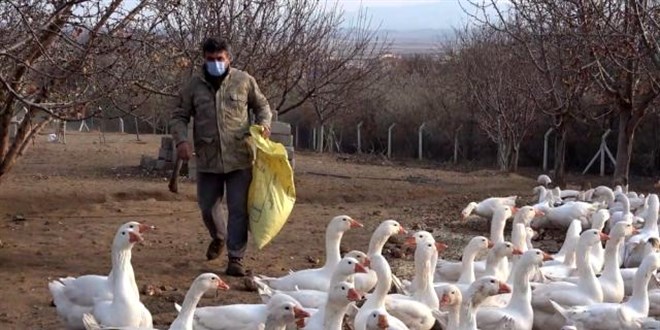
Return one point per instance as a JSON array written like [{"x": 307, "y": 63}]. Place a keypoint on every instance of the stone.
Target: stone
[
  {"x": 162, "y": 164},
  {"x": 285, "y": 139},
  {"x": 278, "y": 127},
  {"x": 166, "y": 142},
  {"x": 165, "y": 154},
  {"x": 147, "y": 162}
]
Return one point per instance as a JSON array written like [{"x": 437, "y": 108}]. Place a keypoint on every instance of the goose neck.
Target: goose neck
[{"x": 332, "y": 246}]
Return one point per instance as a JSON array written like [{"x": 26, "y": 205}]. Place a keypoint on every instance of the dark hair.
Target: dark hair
[{"x": 212, "y": 45}]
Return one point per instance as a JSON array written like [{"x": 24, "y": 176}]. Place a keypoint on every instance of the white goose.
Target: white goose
[
  {"x": 597, "y": 259},
  {"x": 450, "y": 302},
  {"x": 652, "y": 245},
  {"x": 611, "y": 280},
  {"x": 426, "y": 256},
  {"x": 567, "y": 249},
  {"x": 376, "y": 302},
  {"x": 379, "y": 320},
  {"x": 587, "y": 291},
  {"x": 280, "y": 311},
  {"x": 562, "y": 216},
  {"x": 486, "y": 208},
  {"x": 124, "y": 309},
  {"x": 478, "y": 291},
  {"x": 606, "y": 316},
  {"x": 519, "y": 306},
  {"x": 634, "y": 251},
  {"x": 331, "y": 315},
  {"x": 620, "y": 215},
  {"x": 318, "y": 278},
  {"x": 446, "y": 270},
  {"x": 74, "y": 296},
  {"x": 366, "y": 282},
  {"x": 417, "y": 312},
  {"x": 313, "y": 298},
  {"x": 184, "y": 321},
  {"x": 499, "y": 252}
]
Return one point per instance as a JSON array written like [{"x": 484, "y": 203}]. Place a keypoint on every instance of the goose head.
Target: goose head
[
  {"x": 349, "y": 266},
  {"x": 468, "y": 210},
  {"x": 504, "y": 212},
  {"x": 652, "y": 260},
  {"x": 389, "y": 228},
  {"x": 487, "y": 286},
  {"x": 622, "y": 229},
  {"x": 425, "y": 240},
  {"x": 449, "y": 295},
  {"x": 535, "y": 257},
  {"x": 526, "y": 214},
  {"x": 140, "y": 227},
  {"x": 378, "y": 320},
  {"x": 126, "y": 238},
  {"x": 599, "y": 218},
  {"x": 285, "y": 309},
  {"x": 208, "y": 282},
  {"x": 478, "y": 244},
  {"x": 343, "y": 223},
  {"x": 360, "y": 256},
  {"x": 543, "y": 180},
  {"x": 506, "y": 249},
  {"x": 343, "y": 292},
  {"x": 591, "y": 237}
]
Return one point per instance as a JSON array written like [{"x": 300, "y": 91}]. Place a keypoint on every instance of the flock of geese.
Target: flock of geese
[{"x": 585, "y": 285}]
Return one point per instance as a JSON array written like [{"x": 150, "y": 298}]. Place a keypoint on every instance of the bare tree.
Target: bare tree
[
  {"x": 605, "y": 51},
  {"x": 548, "y": 44},
  {"x": 495, "y": 83},
  {"x": 59, "y": 56},
  {"x": 296, "y": 49}
]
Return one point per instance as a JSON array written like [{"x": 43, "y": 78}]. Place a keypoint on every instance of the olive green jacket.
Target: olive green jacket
[{"x": 221, "y": 120}]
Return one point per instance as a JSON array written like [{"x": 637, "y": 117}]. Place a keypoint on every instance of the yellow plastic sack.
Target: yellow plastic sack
[{"x": 272, "y": 192}]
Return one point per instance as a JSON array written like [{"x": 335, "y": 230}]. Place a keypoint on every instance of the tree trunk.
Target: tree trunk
[
  {"x": 514, "y": 158},
  {"x": 21, "y": 142},
  {"x": 560, "y": 155},
  {"x": 627, "y": 125},
  {"x": 503, "y": 155}
]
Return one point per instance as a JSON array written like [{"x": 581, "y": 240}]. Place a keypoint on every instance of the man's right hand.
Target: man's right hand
[{"x": 184, "y": 150}]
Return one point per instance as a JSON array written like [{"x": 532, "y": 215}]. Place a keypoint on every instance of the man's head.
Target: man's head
[{"x": 217, "y": 54}]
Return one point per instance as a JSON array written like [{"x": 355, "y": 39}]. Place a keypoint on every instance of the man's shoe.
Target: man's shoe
[
  {"x": 235, "y": 267},
  {"x": 215, "y": 249}
]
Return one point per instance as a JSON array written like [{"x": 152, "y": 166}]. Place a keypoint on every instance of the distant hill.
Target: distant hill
[{"x": 417, "y": 28}]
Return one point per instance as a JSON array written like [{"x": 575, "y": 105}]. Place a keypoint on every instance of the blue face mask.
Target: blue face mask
[{"x": 216, "y": 68}]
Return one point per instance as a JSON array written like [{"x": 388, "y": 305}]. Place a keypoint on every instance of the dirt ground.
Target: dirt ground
[{"x": 62, "y": 204}]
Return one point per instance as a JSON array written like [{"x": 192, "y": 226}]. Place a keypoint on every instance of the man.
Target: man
[{"x": 219, "y": 99}]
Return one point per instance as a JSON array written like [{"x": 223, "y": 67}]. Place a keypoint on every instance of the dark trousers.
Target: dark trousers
[{"x": 210, "y": 190}]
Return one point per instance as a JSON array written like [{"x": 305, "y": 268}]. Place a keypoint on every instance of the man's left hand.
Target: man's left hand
[{"x": 265, "y": 132}]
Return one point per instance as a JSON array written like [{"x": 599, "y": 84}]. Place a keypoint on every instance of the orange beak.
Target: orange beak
[
  {"x": 300, "y": 323},
  {"x": 402, "y": 230},
  {"x": 134, "y": 237},
  {"x": 444, "y": 300},
  {"x": 353, "y": 295},
  {"x": 441, "y": 246},
  {"x": 490, "y": 244},
  {"x": 604, "y": 237},
  {"x": 222, "y": 285},
  {"x": 360, "y": 269},
  {"x": 382, "y": 322},
  {"x": 514, "y": 210},
  {"x": 517, "y": 252},
  {"x": 299, "y": 313},
  {"x": 145, "y": 228},
  {"x": 504, "y": 288},
  {"x": 366, "y": 263},
  {"x": 538, "y": 213},
  {"x": 547, "y": 257},
  {"x": 355, "y": 224}
]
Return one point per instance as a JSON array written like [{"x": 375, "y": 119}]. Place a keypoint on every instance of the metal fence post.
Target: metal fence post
[
  {"x": 359, "y": 138},
  {"x": 420, "y": 146},
  {"x": 389, "y": 140},
  {"x": 121, "y": 125}
]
